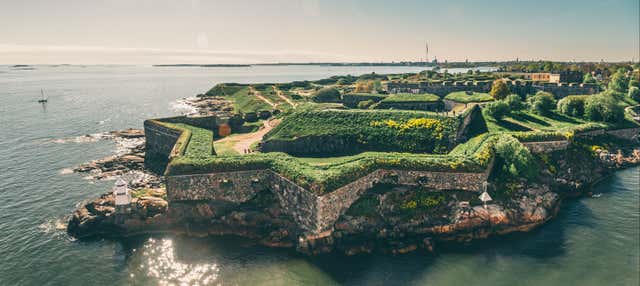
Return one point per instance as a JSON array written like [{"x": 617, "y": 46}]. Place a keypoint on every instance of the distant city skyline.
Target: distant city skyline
[{"x": 246, "y": 32}]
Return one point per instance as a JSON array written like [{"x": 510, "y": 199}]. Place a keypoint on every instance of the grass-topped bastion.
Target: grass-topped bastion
[{"x": 327, "y": 133}]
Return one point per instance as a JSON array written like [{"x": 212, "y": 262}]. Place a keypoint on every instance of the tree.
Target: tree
[
  {"x": 542, "y": 103},
  {"x": 497, "y": 109},
  {"x": 619, "y": 82},
  {"x": 365, "y": 86},
  {"x": 499, "y": 89},
  {"x": 515, "y": 102},
  {"x": 634, "y": 93},
  {"x": 572, "y": 105},
  {"x": 603, "y": 107}
]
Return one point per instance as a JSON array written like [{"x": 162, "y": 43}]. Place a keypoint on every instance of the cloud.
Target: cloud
[{"x": 10, "y": 54}]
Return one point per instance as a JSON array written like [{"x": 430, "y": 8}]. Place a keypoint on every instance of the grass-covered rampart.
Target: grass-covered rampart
[{"x": 367, "y": 130}]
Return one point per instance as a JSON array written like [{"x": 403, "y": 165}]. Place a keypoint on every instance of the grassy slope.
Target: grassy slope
[
  {"x": 408, "y": 97},
  {"x": 243, "y": 102},
  {"x": 340, "y": 122},
  {"x": 201, "y": 141},
  {"x": 463, "y": 97}
]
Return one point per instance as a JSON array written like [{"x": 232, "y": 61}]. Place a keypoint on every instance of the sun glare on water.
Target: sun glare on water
[{"x": 159, "y": 262}]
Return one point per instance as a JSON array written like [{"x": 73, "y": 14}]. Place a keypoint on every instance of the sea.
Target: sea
[{"x": 593, "y": 241}]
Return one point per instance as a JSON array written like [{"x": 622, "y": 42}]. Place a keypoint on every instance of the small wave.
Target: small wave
[
  {"x": 88, "y": 138},
  {"x": 66, "y": 171},
  {"x": 56, "y": 227},
  {"x": 183, "y": 106}
]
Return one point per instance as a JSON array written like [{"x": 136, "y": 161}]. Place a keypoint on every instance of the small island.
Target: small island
[{"x": 391, "y": 163}]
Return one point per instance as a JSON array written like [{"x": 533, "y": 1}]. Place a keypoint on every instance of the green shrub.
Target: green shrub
[
  {"x": 327, "y": 94},
  {"x": 542, "y": 103},
  {"x": 515, "y": 102},
  {"x": 497, "y": 110},
  {"x": 604, "y": 108},
  {"x": 572, "y": 105},
  {"x": 634, "y": 93},
  {"x": 514, "y": 159}
]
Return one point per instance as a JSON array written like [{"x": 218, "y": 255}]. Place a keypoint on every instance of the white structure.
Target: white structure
[
  {"x": 485, "y": 197},
  {"x": 121, "y": 193}
]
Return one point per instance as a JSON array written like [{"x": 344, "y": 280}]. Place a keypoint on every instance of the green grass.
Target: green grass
[
  {"x": 201, "y": 142},
  {"x": 528, "y": 121},
  {"x": 409, "y": 97},
  {"x": 463, "y": 97}
]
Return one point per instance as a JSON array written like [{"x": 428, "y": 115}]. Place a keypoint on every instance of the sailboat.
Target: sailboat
[{"x": 44, "y": 99}]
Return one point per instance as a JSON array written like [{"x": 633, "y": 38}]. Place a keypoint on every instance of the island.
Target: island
[{"x": 376, "y": 162}]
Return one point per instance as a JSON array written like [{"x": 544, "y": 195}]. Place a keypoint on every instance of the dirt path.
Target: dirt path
[
  {"x": 259, "y": 95},
  {"x": 281, "y": 95},
  {"x": 242, "y": 142}
]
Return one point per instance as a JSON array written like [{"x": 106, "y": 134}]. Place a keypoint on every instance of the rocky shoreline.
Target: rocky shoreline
[
  {"x": 128, "y": 162},
  {"x": 387, "y": 229}
]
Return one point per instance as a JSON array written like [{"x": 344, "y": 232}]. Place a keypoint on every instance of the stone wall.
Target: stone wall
[
  {"x": 546, "y": 146},
  {"x": 628, "y": 133},
  {"x": 234, "y": 187},
  {"x": 472, "y": 124},
  {"x": 559, "y": 90},
  {"x": 440, "y": 89},
  {"x": 424, "y": 105},
  {"x": 158, "y": 145},
  {"x": 312, "y": 212}
]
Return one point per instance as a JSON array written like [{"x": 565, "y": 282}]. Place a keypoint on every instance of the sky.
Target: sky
[{"x": 261, "y": 31}]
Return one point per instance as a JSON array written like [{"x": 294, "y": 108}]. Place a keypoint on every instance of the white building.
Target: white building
[{"x": 121, "y": 193}]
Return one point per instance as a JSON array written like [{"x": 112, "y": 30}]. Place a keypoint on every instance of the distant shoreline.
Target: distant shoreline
[{"x": 204, "y": 65}]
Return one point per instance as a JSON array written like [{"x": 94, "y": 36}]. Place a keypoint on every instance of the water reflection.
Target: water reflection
[{"x": 159, "y": 262}]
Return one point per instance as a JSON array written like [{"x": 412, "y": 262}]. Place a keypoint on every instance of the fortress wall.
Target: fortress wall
[
  {"x": 465, "y": 132},
  {"x": 158, "y": 145},
  {"x": 235, "y": 187},
  {"x": 442, "y": 89},
  {"x": 628, "y": 133},
  {"x": 312, "y": 212},
  {"x": 332, "y": 205},
  {"x": 300, "y": 204},
  {"x": 546, "y": 146}
]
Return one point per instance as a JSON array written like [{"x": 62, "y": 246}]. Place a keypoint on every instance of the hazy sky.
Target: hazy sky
[{"x": 242, "y": 31}]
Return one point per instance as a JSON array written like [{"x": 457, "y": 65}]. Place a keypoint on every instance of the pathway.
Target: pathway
[
  {"x": 281, "y": 95},
  {"x": 261, "y": 97},
  {"x": 242, "y": 142}
]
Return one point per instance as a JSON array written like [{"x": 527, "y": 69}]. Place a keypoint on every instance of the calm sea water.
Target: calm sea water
[{"x": 594, "y": 241}]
